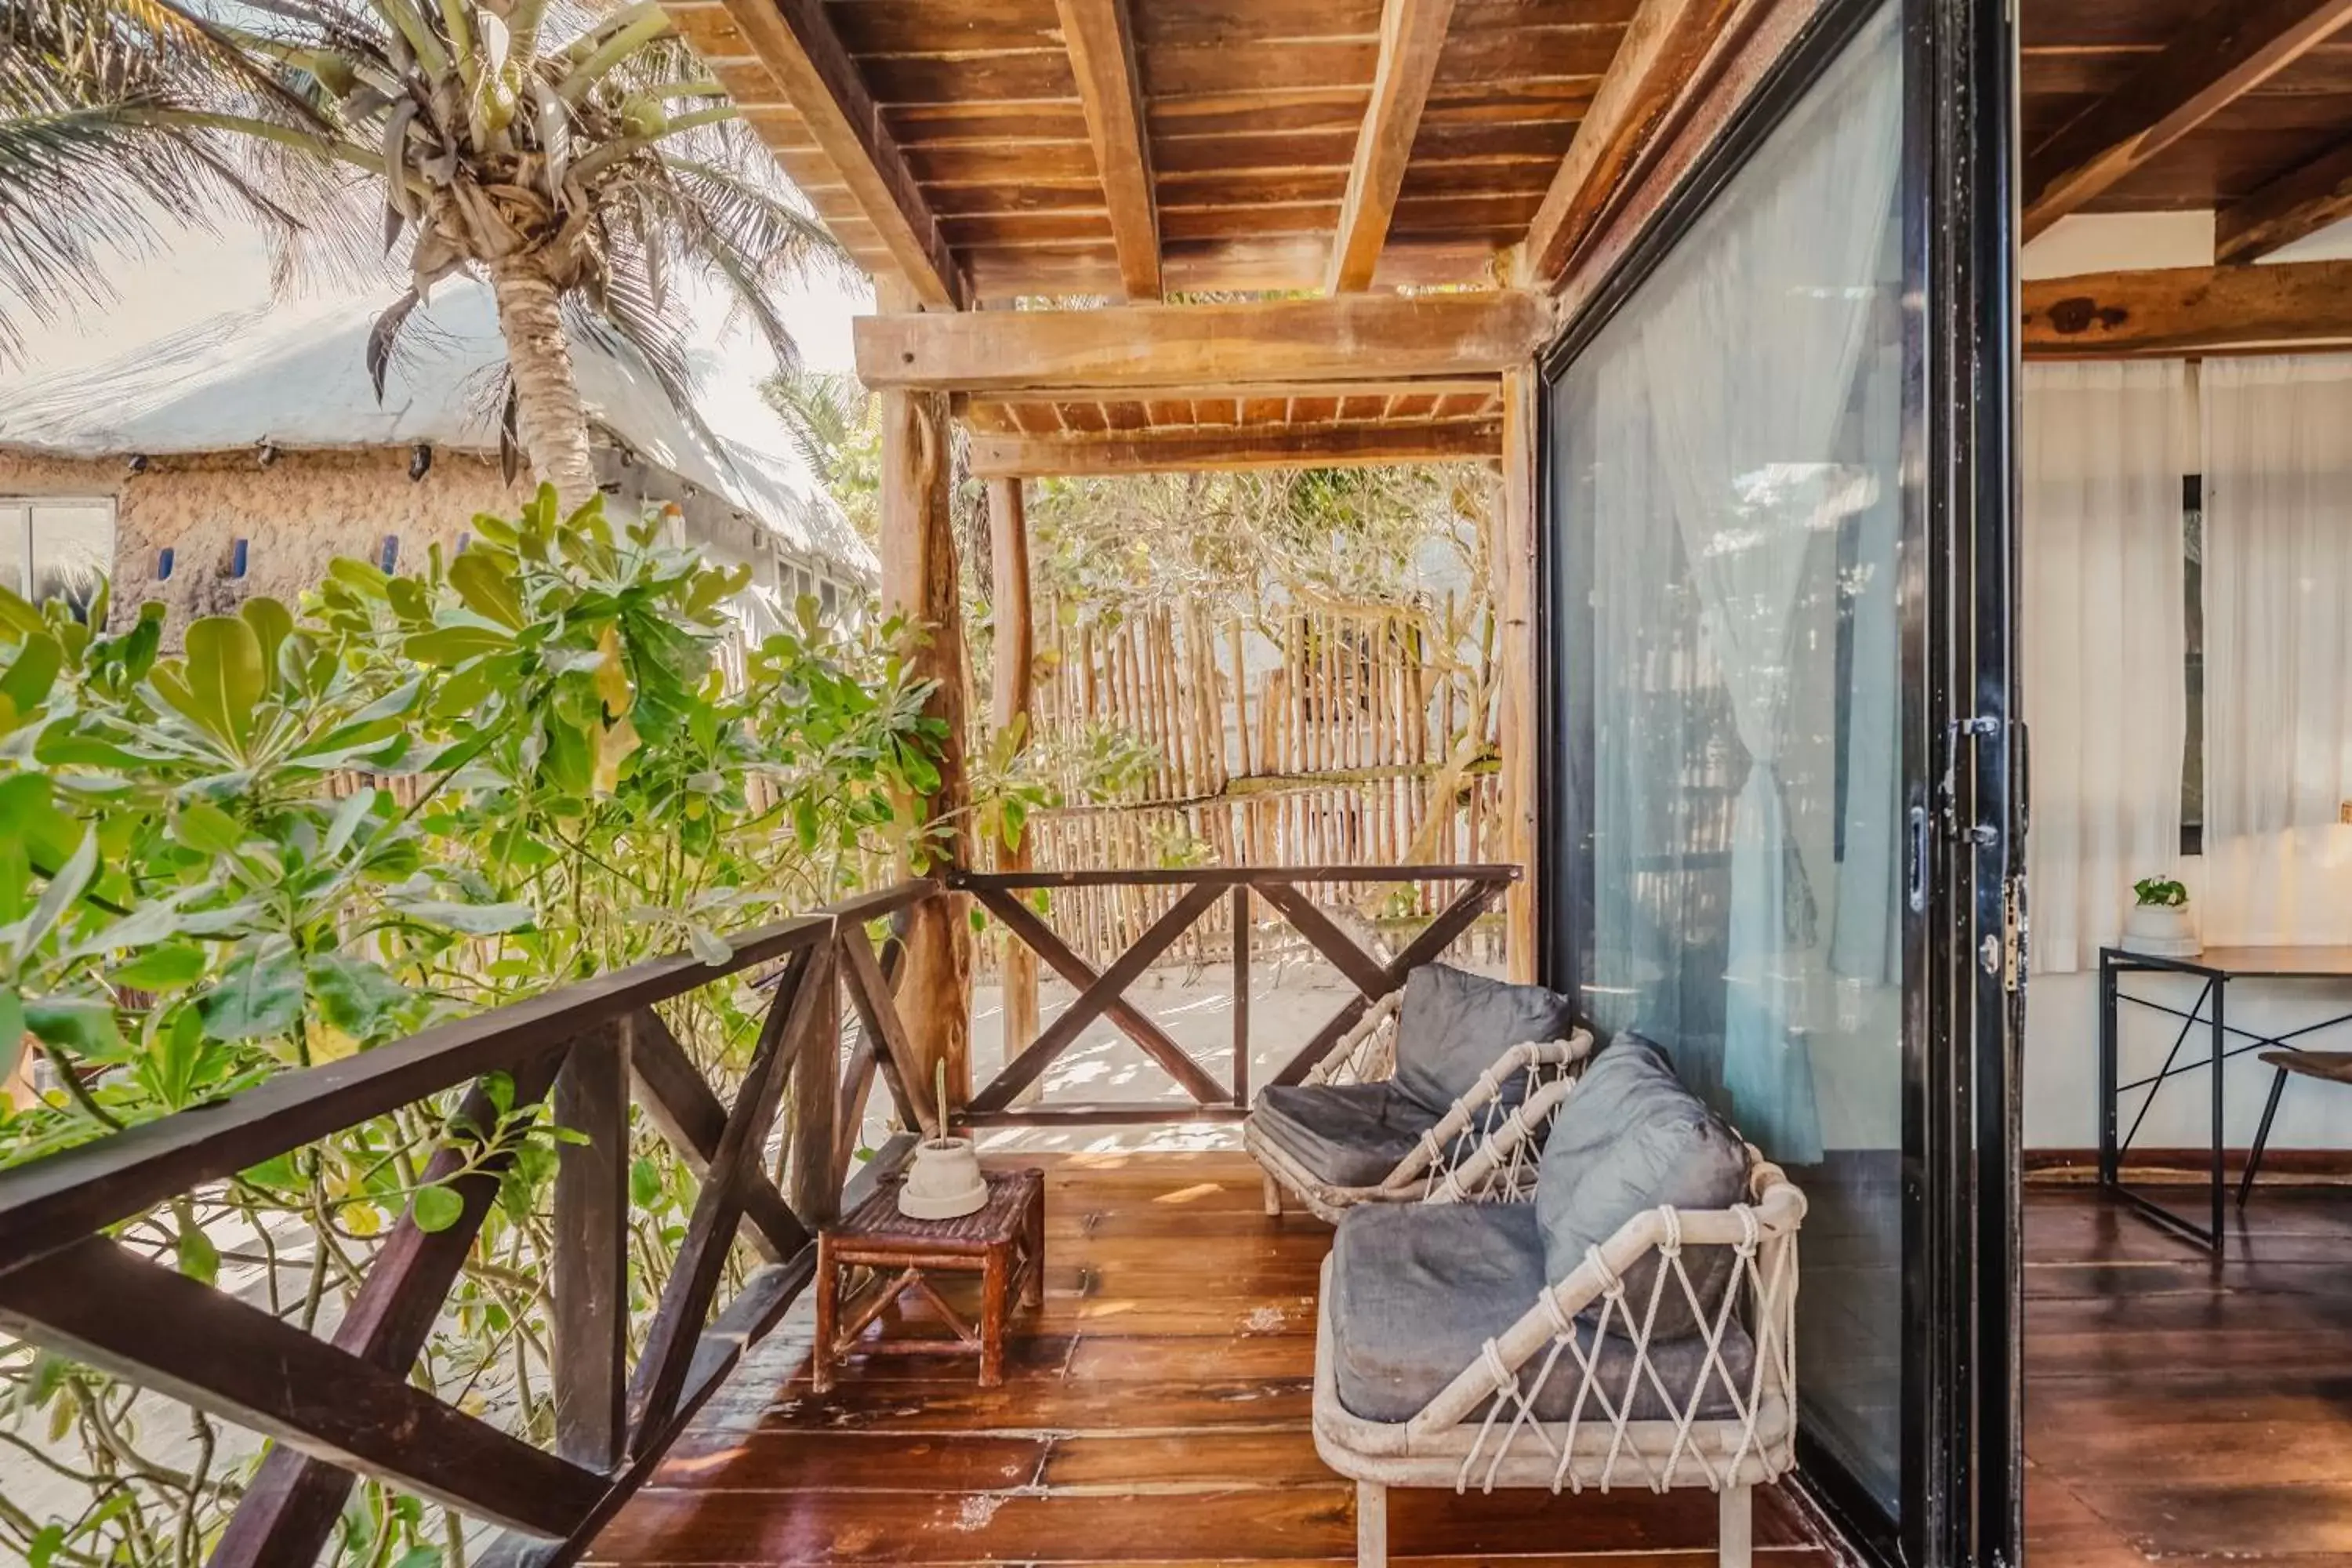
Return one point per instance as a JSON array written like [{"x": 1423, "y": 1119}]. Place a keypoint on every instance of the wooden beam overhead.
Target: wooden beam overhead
[
  {"x": 2184, "y": 310},
  {"x": 1662, "y": 51},
  {"x": 2301, "y": 202},
  {"x": 1226, "y": 266},
  {"x": 795, "y": 41},
  {"x": 1100, "y": 38},
  {"x": 2226, "y": 53},
  {"x": 1413, "y": 35},
  {"x": 1073, "y": 354},
  {"x": 1239, "y": 447}
]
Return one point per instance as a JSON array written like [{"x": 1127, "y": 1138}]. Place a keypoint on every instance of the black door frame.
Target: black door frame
[{"x": 1963, "y": 757}]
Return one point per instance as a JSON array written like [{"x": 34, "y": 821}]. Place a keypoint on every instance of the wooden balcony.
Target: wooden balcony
[{"x": 1154, "y": 1410}]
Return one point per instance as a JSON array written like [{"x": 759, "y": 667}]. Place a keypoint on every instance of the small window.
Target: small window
[{"x": 56, "y": 549}]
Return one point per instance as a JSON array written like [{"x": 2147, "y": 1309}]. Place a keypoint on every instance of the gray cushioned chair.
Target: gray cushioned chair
[
  {"x": 1632, "y": 1327},
  {"x": 1440, "y": 1087}
]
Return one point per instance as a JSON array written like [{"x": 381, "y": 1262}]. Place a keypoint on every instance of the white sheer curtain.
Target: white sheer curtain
[
  {"x": 2104, "y": 643},
  {"x": 1746, "y": 440},
  {"x": 2278, "y": 591}
]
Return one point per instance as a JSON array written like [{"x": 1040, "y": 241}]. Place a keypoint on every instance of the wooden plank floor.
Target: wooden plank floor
[
  {"x": 2181, "y": 1409},
  {"x": 1155, "y": 1410}
]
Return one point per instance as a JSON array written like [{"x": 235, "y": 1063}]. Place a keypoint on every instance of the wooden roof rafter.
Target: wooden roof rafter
[
  {"x": 1413, "y": 36},
  {"x": 2228, "y": 52},
  {"x": 1166, "y": 450},
  {"x": 1100, "y": 37},
  {"x": 810, "y": 74},
  {"x": 2299, "y": 202},
  {"x": 1663, "y": 50}
]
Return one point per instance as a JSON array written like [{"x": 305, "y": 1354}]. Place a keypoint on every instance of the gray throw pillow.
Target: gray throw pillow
[
  {"x": 1454, "y": 1025},
  {"x": 1630, "y": 1137}
]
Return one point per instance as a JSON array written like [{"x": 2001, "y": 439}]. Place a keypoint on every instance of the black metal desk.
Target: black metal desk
[{"x": 2216, "y": 966}]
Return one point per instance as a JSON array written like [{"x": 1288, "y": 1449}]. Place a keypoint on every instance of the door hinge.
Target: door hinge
[{"x": 2016, "y": 935}]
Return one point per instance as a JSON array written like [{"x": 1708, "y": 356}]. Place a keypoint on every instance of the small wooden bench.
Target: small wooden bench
[{"x": 2335, "y": 1067}]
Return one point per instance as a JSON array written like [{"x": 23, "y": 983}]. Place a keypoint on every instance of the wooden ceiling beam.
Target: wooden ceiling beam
[
  {"x": 2299, "y": 202},
  {"x": 2188, "y": 309},
  {"x": 1413, "y": 35},
  {"x": 1347, "y": 338},
  {"x": 795, "y": 41},
  {"x": 981, "y": 408},
  {"x": 1225, "y": 266},
  {"x": 1660, "y": 54},
  {"x": 2226, "y": 53},
  {"x": 1100, "y": 38},
  {"x": 1235, "y": 447}
]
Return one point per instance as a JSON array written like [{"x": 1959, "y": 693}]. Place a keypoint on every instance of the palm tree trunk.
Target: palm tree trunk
[{"x": 551, "y": 425}]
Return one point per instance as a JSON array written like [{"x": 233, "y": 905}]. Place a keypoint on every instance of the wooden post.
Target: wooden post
[
  {"x": 919, "y": 582},
  {"x": 1008, "y": 533},
  {"x": 590, "y": 1285},
  {"x": 1514, "y": 568}
]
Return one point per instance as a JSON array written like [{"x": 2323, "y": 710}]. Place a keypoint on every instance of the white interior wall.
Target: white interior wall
[{"x": 2061, "y": 1010}]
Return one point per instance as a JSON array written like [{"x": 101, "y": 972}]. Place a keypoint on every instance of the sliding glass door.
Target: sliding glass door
[{"x": 1763, "y": 850}]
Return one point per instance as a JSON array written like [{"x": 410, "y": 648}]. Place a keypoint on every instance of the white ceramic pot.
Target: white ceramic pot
[
  {"x": 944, "y": 1180},
  {"x": 2161, "y": 930}
]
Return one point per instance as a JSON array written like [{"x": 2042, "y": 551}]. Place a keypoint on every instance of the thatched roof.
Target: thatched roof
[{"x": 296, "y": 375}]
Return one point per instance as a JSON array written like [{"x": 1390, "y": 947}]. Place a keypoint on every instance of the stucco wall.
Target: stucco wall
[{"x": 298, "y": 514}]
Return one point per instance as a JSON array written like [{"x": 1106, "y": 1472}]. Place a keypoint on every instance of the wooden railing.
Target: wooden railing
[
  {"x": 1191, "y": 894},
  {"x": 346, "y": 1404}
]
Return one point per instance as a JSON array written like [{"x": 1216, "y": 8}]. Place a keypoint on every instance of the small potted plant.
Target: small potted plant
[
  {"x": 2159, "y": 924},
  {"x": 944, "y": 1182}
]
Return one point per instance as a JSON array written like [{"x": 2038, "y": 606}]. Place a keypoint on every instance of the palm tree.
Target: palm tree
[
  {"x": 573, "y": 160},
  {"x": 106, "y": 144}
]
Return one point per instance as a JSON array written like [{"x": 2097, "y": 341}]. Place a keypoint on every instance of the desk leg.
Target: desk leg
[
  {"x": 2220, "y": 1045},
  {"x": 2108, "y": 1160}
]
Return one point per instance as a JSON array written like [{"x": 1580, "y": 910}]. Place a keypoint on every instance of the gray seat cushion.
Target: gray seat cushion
[
  {"x": 1630, "y": 1137},
  {"x": 1417, "y": 1291},
  {"x": 1454, "y": 1025},
  {"x": 1347, "y": 1134}
]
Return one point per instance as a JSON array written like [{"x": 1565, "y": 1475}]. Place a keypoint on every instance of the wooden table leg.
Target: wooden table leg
[
  {"x": 828, "y": 1309},
  {"x": 992, "y": 1314},
  {"x": 1033, "y": 1284}
]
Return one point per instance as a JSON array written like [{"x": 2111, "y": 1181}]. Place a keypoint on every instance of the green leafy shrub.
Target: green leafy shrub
[
  {"x": 313, "y": 831},
  {"x": 2160, "y": 892}
]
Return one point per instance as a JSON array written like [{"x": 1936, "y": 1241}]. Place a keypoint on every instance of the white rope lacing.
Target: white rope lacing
[{"x": 1763, "y": 1283}]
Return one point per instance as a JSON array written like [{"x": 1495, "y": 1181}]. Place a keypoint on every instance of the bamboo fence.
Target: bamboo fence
[{"x": 1339, "y": 736}]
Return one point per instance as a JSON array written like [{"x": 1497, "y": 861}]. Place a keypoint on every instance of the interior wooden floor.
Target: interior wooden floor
[
  {"x": 2183, "y": 1409},
  {"x": 1155, "y": 1410}
]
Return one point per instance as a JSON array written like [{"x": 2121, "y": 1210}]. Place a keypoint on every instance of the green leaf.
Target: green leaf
[
  {"x": 645, "y": 1183},
  {"x": 45, "y": 1543},
  {"x": 199, "y": 1259},
  {"x": 272, "y": 624},
  {"x": 259, "y": 993},
  {"x": 436, "y": 1208},
  {"x": 220, "y": 682},
  {"x": 33, "y": 671},
  {"x": 357, "y": 996},
  {"x": 421, "y": 1556},
  {"x": 206, "y": 828},
  {"x": 489, "y": 588},
  {"x": 164, "y": 968},
  {"x": 81, "y": 1024},
  {"x": 64, "y": 887},
  {"x": 447, "y": 645},
  {"x": 473, "y": 919},
  {"x": 278, "y": 1171}
]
